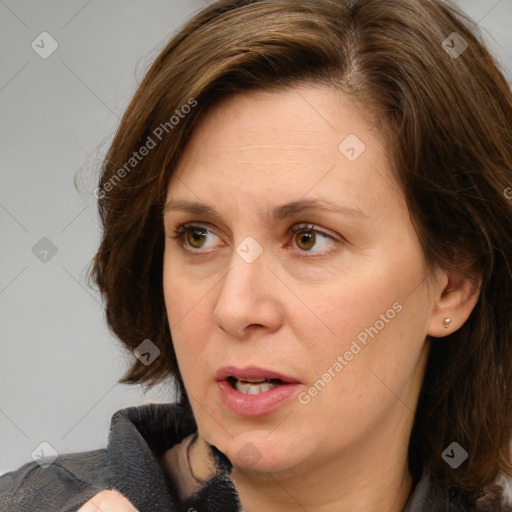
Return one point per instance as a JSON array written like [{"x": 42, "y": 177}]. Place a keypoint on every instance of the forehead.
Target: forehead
[
  {"x": 270, "y": 120},
  {"x": 306, "y": 140}
]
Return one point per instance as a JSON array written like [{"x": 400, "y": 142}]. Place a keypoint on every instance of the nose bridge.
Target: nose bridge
[
  {"x": 247, "y": 265},
  {"x": 245, "y": 297}
]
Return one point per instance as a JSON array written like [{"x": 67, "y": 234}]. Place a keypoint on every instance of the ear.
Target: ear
[{"x": 457, "y": 297}]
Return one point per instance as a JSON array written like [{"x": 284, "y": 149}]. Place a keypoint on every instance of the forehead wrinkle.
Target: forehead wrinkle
[{"x": 274, "y": 147}]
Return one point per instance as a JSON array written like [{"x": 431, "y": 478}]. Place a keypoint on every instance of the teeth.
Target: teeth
[{"x": 247, "y": 388}]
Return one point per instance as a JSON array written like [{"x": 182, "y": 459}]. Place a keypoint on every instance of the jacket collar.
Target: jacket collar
[{"x": 138, "y": 437}]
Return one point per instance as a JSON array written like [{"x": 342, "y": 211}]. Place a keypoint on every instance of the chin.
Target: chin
[{"x": 254, "y": 451}]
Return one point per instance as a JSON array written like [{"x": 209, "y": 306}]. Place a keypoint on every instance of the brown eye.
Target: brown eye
[
  {"x": 195, "y": 237},
  {"x": 308, "y": 238},
  {"x": 305, "y": 239}
]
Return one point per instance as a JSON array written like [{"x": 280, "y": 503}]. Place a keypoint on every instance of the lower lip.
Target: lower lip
[{"x": 255, "y": 405}]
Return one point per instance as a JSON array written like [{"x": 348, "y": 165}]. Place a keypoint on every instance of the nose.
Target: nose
[{"x": 248, "y": 298}]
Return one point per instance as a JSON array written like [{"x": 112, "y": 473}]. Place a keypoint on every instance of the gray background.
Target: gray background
[{"x": 58, "y": 362}]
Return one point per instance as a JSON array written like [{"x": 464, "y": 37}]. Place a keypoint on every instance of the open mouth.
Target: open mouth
[
  {"x": 254, "y": 390},
  {"x": 253, "y": 386}
]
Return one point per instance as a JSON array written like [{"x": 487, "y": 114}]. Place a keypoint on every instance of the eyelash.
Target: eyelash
[{"x": 179, "y": 232}]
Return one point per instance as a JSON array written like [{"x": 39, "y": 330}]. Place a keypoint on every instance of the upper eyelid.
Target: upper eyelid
[{"x": 304, "y": 225}]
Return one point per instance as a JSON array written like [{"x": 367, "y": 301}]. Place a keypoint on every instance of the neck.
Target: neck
[
  {"x": 367, "y": 478},
  {"x": 201, "y": 461},
  {"x": 327, "y": 488}
]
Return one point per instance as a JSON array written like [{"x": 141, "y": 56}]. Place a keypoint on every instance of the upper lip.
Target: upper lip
[{"x": 251, "y": 372}]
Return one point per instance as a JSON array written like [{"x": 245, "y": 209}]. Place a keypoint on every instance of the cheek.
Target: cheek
[
  {"x": 188, "y": 319},
  {"x": 350, "y": 306},
  {"x": 374, "y": 321}
]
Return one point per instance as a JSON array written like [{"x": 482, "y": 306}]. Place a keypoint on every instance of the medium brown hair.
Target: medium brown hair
[{"x": 448, "y": 119}]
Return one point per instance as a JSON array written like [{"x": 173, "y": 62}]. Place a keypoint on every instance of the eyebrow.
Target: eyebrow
[{"x": 278, "y": 213}]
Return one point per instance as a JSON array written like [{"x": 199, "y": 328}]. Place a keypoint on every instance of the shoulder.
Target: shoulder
[
  {"x": 129, "y": 464},
  {"x": 63, "y": 485}
]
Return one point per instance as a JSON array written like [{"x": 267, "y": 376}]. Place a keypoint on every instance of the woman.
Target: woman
[{"x": 306, "y": 216}]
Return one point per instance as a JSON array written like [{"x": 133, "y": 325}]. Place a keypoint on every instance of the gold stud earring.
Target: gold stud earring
[{"x": 447, "y": 322}]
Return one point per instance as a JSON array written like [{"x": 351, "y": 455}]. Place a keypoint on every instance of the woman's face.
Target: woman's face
[{"x": 341, "y": 306}]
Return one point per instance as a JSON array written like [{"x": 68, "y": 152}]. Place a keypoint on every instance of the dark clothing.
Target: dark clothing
[{"x": 139, "y": 436}]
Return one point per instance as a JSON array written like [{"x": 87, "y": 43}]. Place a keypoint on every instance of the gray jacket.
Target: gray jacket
[{"x": 130, "y": 464}]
